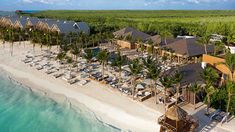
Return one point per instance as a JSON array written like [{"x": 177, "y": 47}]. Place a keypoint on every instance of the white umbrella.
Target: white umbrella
[
  {"x": 147, "y": 81},
  {"x": 125, "y": 85},
  {"x": 139, "y": 86}
]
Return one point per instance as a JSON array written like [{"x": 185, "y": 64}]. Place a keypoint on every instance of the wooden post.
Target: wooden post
[
  {"x": 176, "y": 126},
  {"x": 178, "y": 59}
]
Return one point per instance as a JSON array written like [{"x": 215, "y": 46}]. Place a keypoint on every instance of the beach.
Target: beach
[{"x": 108, "y": 105}]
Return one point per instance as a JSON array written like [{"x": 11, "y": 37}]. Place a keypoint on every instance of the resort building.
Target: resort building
[
  {"x": 127, "y": 37},
  {"x": 217, "y": 62},
  {"x": 183, "y": 50},
  {"x": 191, "y": 74},
  {"x": 50, "y": 25}
]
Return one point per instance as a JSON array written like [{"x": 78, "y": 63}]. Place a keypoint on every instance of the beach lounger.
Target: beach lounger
[
  {"x": 34, "y": 64},
  {"x": 146, "y": 96},
  {"x": 58, "y": 75},
  {"x": 82, "y": 82},
  {"x": 73, "y": 81},
  {"x": 50, "y": 71},
  {"x": 39, "y": 67},
  {"x": 27, "y": 61},
  {"x": 29, "y": 56}
]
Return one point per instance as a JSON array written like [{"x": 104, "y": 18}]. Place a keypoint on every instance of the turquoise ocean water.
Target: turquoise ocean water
[{"x": 24, "y": 111}]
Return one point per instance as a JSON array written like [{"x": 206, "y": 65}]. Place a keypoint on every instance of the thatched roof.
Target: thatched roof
[
  {"x": 135, "y": 34},
  {"x": 156, "y": 39},
  {"x": 188, "y": 47},
  {"x": 64, "y": 26},
  {"x": 191, "y": 73},
  {"x": 176, "y": 113}
]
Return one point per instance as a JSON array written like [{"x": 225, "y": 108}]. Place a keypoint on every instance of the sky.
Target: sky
[{"x": 12, "y": 5}]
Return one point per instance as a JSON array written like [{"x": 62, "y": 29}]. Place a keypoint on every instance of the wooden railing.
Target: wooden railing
[{"x": 161, "y": 121}]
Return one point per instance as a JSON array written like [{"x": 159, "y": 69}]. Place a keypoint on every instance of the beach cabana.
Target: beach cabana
[{"x": 177, "y": 120}]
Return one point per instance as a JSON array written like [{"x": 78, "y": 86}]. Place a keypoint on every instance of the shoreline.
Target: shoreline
[
  {"x": 58, "y": 98},
  {"x": 111, "y": 108},
  {"x": 73, "y": 104}
]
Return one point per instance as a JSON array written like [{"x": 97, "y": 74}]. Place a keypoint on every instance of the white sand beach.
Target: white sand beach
[{"x": 110, "y": 106}]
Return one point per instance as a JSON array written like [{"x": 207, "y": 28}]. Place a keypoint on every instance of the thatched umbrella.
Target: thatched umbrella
[{"x": 176, "y": 113}]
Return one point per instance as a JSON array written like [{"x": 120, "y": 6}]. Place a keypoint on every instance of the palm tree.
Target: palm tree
[
  {"x": 210, "y": 76},
  {"x": 70, "y": 61},
  {"x": 88, "y": 55},
  {"x": 176, "y": 80},
  {"x": 61, "y": 56},
  {"x": 195, "y": 88},
  {"x": 19, "y": 33},
  {"x": 167, "y": 83},
  {"x": 230, "y": 38},
  {"x": 103, "y": 58},
  {"x": 11, "y": 38},
  {"x": 230, "y": 88},
  {"x": 153, "y": 74},
  {"x": 148, "y": 62},
  {"x": 119, "y": 61},
  {"x": 218, "y": 46},
  {"x": 205, "y": 40},
  {"x": 75, "y": 51},
  {"x": 150, "y": 65},
  {"x": 230, "y": 63},
  {"x": 165, "y": 34},
  {"x": 135, "y": 67},
  {"x": 93, "y": 38},
  {"x": 209, "y": 91}
]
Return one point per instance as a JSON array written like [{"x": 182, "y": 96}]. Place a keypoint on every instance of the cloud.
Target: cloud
[
  {"x": 206, "y": 1},
  {"x": 126, "y": 4},
  {"x": 182, "y": 2},
  {"x": 45, "y": 1}
]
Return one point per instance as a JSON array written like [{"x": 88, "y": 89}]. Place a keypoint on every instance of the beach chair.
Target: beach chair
[
  {"x": 73, "y": 81},
  {"x": 58, "y": 75},
  {"x": 82, "y": 82},
  {"x": 51, "y": 71},
  {"x": 39, "y": 67}
]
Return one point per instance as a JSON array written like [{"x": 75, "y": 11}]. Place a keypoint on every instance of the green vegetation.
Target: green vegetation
[{"x": 153, "y": 22}]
